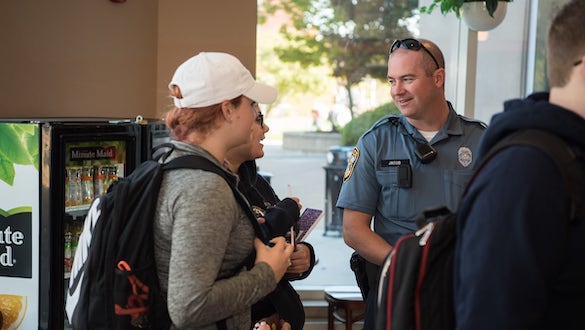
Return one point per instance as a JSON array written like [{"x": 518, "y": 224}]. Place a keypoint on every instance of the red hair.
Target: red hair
[{"x": 183, "y": 121}]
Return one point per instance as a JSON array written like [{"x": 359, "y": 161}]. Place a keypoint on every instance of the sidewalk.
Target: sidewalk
[{"x": 302, "y": 174}]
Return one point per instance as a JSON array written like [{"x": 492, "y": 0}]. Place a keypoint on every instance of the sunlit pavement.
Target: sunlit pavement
[{"x": 303, "y": 175}]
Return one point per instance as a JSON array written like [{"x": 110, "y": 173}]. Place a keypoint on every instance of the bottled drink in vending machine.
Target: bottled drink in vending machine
[
  {"x": 108, "y": 174},
  {"x": 74, "y": 176},
  {"x": 75, "y": 233},
  {"x": 112, "y": 174},
  {"x": 100, "y": 180},
  {"x": 87, "y": 189},
  {"x": 68, "y": 250},
  {"x": 67, "y": 200}
]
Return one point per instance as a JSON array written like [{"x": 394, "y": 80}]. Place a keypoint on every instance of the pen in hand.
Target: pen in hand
[{"x": 292, "y": 229}]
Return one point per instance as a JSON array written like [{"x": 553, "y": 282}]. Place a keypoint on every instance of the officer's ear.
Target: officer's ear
[{"x": 439, "y": 77}]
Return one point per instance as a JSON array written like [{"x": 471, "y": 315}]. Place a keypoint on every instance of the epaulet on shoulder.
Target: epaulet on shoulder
[
  {"x": 380, "y": 122},
  {"x": 473, "y": 121}
]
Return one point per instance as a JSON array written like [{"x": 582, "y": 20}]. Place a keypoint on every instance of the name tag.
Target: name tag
[{"x": 394, "y": 162}]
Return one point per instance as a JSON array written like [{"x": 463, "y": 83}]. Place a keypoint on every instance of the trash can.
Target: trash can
[{"x": 337, "y": 158}]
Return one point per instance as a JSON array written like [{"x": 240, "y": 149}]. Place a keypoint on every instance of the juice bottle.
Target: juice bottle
[
  {"x": 87, "y": 191},
  {"x": 68, "y": 251}
]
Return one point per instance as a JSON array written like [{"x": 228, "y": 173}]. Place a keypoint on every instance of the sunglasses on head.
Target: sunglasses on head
[{"x": 412, "y": 44}]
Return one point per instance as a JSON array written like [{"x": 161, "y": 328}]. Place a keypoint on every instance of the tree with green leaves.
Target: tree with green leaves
[{"x": 352, "y": 36}]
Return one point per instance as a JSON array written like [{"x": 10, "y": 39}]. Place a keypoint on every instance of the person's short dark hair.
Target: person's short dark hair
[{"x": 565, "y": 42}]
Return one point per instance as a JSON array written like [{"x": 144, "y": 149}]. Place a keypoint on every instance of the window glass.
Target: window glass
[
  {"x": 509, "y": 63},
  {"x": 500, "y": 64}
]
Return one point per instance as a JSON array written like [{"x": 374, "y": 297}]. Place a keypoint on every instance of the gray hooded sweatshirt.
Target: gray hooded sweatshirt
[{"x": 201, "y": 235}]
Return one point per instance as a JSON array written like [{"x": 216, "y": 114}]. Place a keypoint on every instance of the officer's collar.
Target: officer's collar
[{"x": 452, "y": 126}]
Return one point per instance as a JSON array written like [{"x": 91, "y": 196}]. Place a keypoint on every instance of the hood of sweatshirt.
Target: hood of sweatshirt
[{"x": 534, "y": 112}]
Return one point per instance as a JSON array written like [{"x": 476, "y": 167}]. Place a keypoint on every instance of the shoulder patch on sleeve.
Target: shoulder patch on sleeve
[
  {"x": 380, "y": 122},
  {"x": 355, "y": 154},
  {"x": 475, "y": 121}
]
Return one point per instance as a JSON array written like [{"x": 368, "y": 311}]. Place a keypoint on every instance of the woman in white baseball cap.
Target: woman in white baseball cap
[{"x": 202, "y": 235}]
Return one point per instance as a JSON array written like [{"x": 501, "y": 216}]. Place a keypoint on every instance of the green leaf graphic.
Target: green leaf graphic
[
  {"x": 6, "y": 171},
  {"x": 18, "y": 145}
]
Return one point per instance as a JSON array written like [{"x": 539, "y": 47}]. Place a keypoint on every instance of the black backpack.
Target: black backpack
[
  {"x": 114, "y": 282},
  {"x": 415, "y": 290}
]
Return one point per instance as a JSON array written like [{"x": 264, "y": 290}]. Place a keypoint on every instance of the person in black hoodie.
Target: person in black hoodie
[
  {"x": 520, "y": 262},
  {"x": 276, "y": 217}
]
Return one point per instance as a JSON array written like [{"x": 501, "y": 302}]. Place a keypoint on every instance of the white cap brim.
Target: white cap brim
[{"x": 261, "y": 93}]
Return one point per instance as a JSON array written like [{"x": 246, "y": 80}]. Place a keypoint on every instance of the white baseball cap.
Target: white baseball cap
[{"x": 211, "y": 78}]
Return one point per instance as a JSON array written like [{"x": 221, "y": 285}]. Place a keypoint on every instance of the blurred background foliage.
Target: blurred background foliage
[
  {"x": 352, "y": 131},
  {"x": 341, "y": 41}
]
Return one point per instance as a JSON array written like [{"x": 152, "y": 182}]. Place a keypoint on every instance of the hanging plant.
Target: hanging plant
[{"x": 454, "y": 6}]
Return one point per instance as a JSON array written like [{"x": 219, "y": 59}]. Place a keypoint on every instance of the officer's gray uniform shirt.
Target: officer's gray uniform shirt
[{"x": 375, "y": 184}]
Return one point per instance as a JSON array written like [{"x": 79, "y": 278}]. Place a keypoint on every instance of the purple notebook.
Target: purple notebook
[{"x": 307, "y": 222}]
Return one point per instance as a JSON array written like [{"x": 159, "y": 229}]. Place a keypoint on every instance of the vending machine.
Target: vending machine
[{"x": 50, "y": 170}]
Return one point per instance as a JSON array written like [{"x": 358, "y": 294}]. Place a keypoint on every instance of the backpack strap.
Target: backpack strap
[
  {"x": 200, "y": 162},
  {"x": 161, "y": 151},
  {"x": 568, "y": 161}
]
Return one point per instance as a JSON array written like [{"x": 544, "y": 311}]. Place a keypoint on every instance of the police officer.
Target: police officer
[{"x": 406, "y": 163}]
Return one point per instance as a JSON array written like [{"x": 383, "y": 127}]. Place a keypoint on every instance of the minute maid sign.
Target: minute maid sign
[
  {"x": 19, "y": 164},
  {"x": 15, "y": 243},
  {"x": 20, "y": 192}
]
